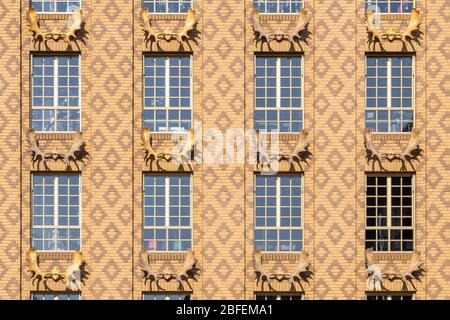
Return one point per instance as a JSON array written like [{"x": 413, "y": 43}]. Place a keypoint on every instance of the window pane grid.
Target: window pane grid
[
  {"x": 278, "y": 6},
  {"x": 152, "y": 296},
  {"x": 55, "y": 296},
  {"x": 167, "y": 94},
  {"x": 167, "y": 213},
  {"x": 167, "y": 6},
  {"x": 390, "y": 6},
  {"x": 56, "y": 224},
  {"x": 278, "y": 94},
  {"x": 56, "y": 93},
  {"x": 389, "y": 213},
  {"x": 278, "y": 213},
  {"x": 55, "y": 6},
  {"x": 389, "y": 94},
  {"x": 278, "y": 297},
  {"x": 382, "y": 297}
]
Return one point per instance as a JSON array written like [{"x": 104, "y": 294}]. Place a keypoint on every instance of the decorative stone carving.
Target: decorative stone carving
[
  {"x": 412, "y": 32},
  {"x": 299, "y": 33},
  {"x": 189, "y": 271},
  {"x": 74, "y": 28},
  {"x": 72, "y": 278},
  {"x": 298, "y": 155},
  {"x": 414, "y": 272},
  {"x": 411, "y": 153},
  {"x": 301, "y": 273},
  {"x": 189, "y": 31},
  {"x": 184, "y": 156},
  {"x": 76, "y": 153}
]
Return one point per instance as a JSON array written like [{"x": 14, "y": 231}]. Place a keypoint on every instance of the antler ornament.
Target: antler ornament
[
  {"x": 72, "y": 278},
  {"x": 189, "y": 271},
  {"x": 184, "y": 35},
  {"x": 412, "y": 31},
  {"x": 74, "y": 25},
  {"x": 414, "y": 272},
  {"x": 411, "y": 153},
  {"x": 261, "y": 35},
  {"x": 77, "y": 151},
  {"x": 298, "y": 155},
  {"x": 301, "y": 273}
]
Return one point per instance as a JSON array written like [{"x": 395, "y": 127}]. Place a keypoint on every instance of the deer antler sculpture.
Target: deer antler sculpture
[
  {"x": 298, "y": 155},
  {"x": 261, "y": 35},
  {"x": 371, "y": 28},
  {"x": 301, "y": 273},
  {"x": 371, "y": 152},
  {"x": 184, "y": 35},
  {"x": 77, "y": 151},
  {"x": 33, "y": 25},
  {"x": 412, "y": 31},
  {"x": 74, "y": 25},
  {"x": 261, "y": 274},
  {"x": 185, "y": 155},
  {"x": 33, "y": 148},
  {"x": 72, "y": 278},
  {"x": 412, "y": 151},
  {"x": 301, "y": 152},
  {"x": 374, "y": 278},
  {"x": 189, "y": 271},
  {"x": 414, "y": 25},
  {"x": 414, "y": 271}
]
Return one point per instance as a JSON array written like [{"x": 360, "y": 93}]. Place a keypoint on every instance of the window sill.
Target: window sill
[
  {"x": 279, "y": 17},
  {"x": 168, "y": 16},
  {"x": 167, "y": 256},
  {"x": 280, "y": 256},
  {"x": 54, "y": 135},
  {"x": 53, "y": 16},
  {"x": 392, "y": 256},
  {"x": 391, "y": 136},
  {"x": 57, "y": 256}
]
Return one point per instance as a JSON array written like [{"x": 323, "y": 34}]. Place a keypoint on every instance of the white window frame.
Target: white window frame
[
  {"x": 56, "y": 208},
  {"x": 278, "y": 212},
  {"x": 167, "y": 295},
  {"x": 167, "y": 92},
  {"x": 167, "y": 210},
  {"x": 55, "y": 295},
  {"x": 389, "y": 226},
  {"x": 390, "y": 295},
  {"x": 56, "y": 12},
  {"x": 389, "y": 92},
  {"x": 279, "y": 295},
  {"x": 278, "y": 90},
  {"x": 56, "y": 89},
  {"x": 389, "y": 6},
  {"x": 281, "y": 13},
  {"x": 167, "y": 6}
]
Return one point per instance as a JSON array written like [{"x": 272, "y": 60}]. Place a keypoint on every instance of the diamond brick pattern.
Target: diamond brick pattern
[{"x": 334, "y": 202}]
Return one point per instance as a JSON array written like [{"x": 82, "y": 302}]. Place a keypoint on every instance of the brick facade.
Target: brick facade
[{"x": 223, "y": 91}]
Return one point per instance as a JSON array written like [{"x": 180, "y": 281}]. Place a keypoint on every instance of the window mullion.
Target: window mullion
[
  {"x": 278, "y": 83},
  {"x": 389, "y": 91},
  {"x": 56, "y": 204},
  {"x": 389, "y": 210},
  {"x": 167, "y": 92},
  {"x": 55, "y": 81},
  {"x": 278, "y": 201},
  {"x": 167, "y": 199}
]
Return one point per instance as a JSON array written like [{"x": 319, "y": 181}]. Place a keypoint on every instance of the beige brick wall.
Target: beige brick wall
[{"x": 223, "y": 63}]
